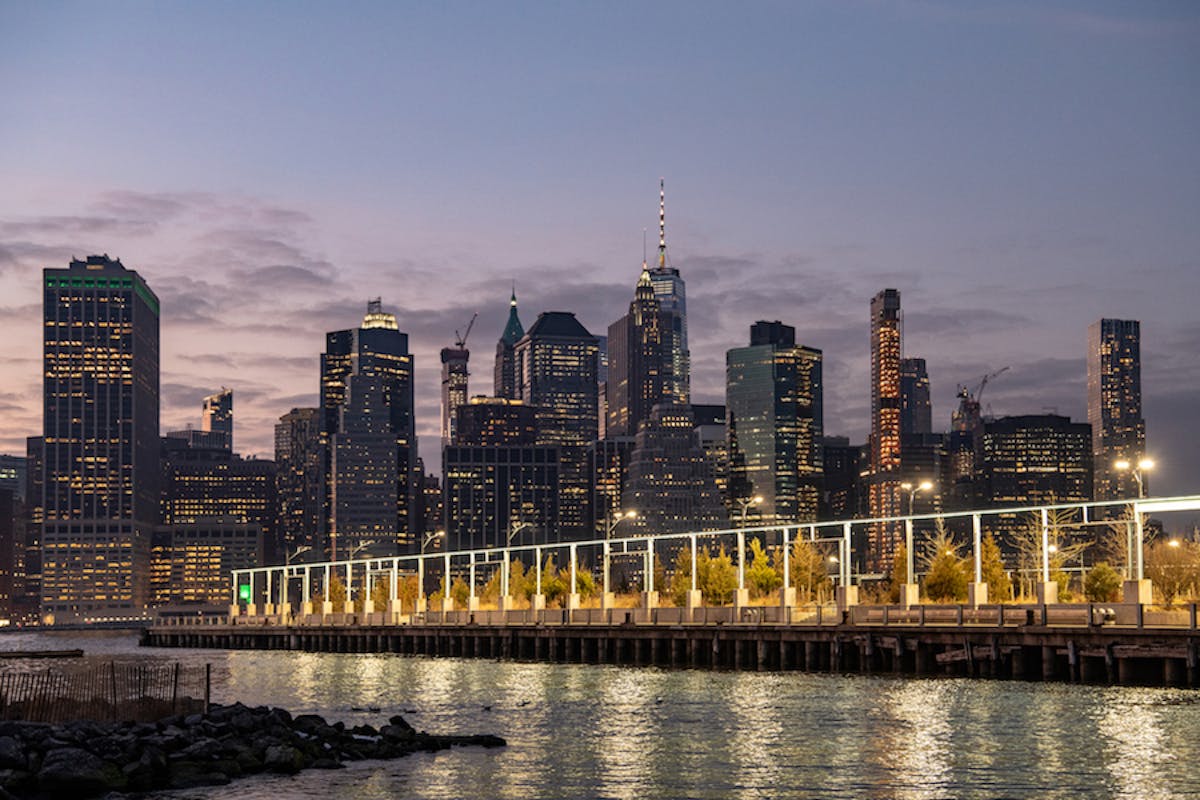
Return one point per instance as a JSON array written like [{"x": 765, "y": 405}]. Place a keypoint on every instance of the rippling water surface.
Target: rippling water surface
[{"x": 618, "y": 732}]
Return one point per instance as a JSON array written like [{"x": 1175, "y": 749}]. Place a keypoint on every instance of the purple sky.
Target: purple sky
[{"x": 1016, "y": 169}]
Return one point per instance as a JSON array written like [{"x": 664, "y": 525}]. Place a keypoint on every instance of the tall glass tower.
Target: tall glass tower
[
  {"x": 672, "y": 297},
  {"x": 773, "y": 399},
  {"x": 883, "y": 484},
  {"x": 101, "y": 439},
  {"x": 367, "y": 404},
  {"x": 1115, "y": 404}
]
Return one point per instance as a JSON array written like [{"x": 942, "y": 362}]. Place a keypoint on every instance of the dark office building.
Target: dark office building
[
  {"x": 299, "y": 479},
  {"x": 1036, "y": 460},
  {"x": 639, "y": 362},
  {"x": 494, "y": 495},
  {"x": 671, "y": 293},
  {"x": 608, "y": 467},
  {"x": 101, "y": 431},
  {"x": 367, "y": 405},
  {"x": 216, "y": 416},
  {"x": 556, "y": 369},
  {"x": 496, "y": 422},
  {"x": 670, "y": 483},
  {"x": 916, "y": 409},
  {"x": 842, "y": 465}
]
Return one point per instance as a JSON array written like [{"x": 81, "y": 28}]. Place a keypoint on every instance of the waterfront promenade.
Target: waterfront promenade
[{"x": 1131, "y": 642}]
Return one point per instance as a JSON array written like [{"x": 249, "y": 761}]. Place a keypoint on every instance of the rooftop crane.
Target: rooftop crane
[{"x": 461, "y": 341}]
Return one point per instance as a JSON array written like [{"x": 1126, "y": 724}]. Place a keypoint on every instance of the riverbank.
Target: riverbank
[{"x": 87, "y": 759}]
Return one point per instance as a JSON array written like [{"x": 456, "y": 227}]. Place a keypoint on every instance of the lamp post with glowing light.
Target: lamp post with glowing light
[
  {"x": 1138, "y": 589},
  {"x": 613, "y": 521},
  {"x": 744, "y": 505},
  {"x": 429, "y": 539},
  {"x": 910, "y": 591}
]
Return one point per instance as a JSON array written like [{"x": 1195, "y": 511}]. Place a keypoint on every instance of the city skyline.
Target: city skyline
[{"x": 1006, "y": 244}]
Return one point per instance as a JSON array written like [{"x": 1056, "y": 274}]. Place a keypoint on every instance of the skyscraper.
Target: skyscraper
[
  {"x": 367, "y": 408},
  {"x": 556, "y": 367},
  {"x": 299, "y": 479},
  {"x": 1036, "y": 459},
  {"x": 773, "y": 399},
  {"x": 883, "y": 483},
  {"x": 916, "y": 410},
  {"x": 101, "y": 444},
  {"x": 455, "y": 373},
  {"x": 672, "y": 297},
  {"x": 670, "y": 482},
  {"x": 1115, "y": 405},
  {"x": 505, "y": 381},
  {"x": 216, "y": 416},
  {"x": 639, "y": 365}
]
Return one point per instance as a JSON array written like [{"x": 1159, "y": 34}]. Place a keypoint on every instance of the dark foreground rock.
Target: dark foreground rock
[{"x": 87, "y": 759}]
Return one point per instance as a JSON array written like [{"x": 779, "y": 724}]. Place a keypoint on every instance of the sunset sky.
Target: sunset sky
[{"x": 1017, "y": 170}]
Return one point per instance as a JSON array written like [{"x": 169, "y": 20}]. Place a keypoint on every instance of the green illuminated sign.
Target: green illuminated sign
[{"x": 244, "y": 593}]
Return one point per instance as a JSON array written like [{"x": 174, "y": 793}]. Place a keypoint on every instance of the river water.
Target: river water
[{"x": 585, "y": 731}]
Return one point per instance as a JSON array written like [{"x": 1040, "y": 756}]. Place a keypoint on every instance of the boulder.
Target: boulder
[
  {"x": 283, "y": 759},
  {"x": 71, "y": 772},
  {"x": 12, "y": 754}
]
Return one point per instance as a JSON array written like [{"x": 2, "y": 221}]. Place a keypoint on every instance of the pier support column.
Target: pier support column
[
  {"x": 608, "y": 600},
  {"x": 422, "y": 605},
  {"x": 573, "y": 601},
  {"x": 306, "y": 608},
  {"x": 538, "y": 602},
  {"x": 787, "y": 597},
  {"x": 1049, "y": 663},
  {"x": 1137, "y": 592},
  {"x": 368, "y": 606},
  {"x": 234, "y": 611},
  {"x": 1047, "y": 592},
  {"x": 910, "y": 594},
  {"x": 694, "y": 600},
  {"x": 508, "y": 603},
  {"x": 285, "y": 609},
  {"x": 977, "y": 594},
  {"x": 741, "y": 598},
  {"x": 649, "y": 600},
  {"x": 268, "y": 609},
  {"x": 251, "y": 610},
  {"x": 847, "y": 596},
  {"x": 348, "y": 607},
  {"x": 473, "y": 603}
]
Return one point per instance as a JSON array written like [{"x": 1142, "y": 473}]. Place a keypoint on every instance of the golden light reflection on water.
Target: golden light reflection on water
[
  {"x": 757, "y": 728},
  {"x": 917, "y": 739},
  {"x": 1137, "y": 754}
]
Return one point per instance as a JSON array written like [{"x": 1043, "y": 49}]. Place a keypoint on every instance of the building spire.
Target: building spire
[{"x": 662, "y": 224}]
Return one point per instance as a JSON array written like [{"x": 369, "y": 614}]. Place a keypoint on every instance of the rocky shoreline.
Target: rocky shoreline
[{"x": 86, "y": 759}]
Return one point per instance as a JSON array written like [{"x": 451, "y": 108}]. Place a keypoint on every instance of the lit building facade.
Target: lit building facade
[
  {"x": 1036, "y": 460},
  {"x": 1115, "y": 405},
  {"x": 496, "y": 421},
  {"x": 883, "y": 481},
  {"x": 494, "y": 493},
  {"x": 205, "y": 484},
  {"x": 367, "y": 408},
  {"x": 556, "y": 369},
  {"x": 670, "y": 484},
  {"x": 773, "y": 397},
  {"x": 608, "y": 468},
  {"x": 299, "y": 479},
  {"x": 639, "y": 362},
  {"x": 101, "y": 440},
  {"x": 191, "y": 563}
]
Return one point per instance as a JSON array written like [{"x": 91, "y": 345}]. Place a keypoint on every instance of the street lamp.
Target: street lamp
[
  {"x": 923, "y": 486},
  {"x": 304, "y": 548},
  {"x": 430, "y": 538},
  {"x": 745, "y": 503},
  {"x": 517, "y": 527},
  {"x": 1143, "y": 465},
  {"x": 616, "y": 519}
]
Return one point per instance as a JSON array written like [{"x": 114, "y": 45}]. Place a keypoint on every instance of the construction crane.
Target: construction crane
[
  {"x": 964, "y": 393},
  {"x": 461, "y": 341}
]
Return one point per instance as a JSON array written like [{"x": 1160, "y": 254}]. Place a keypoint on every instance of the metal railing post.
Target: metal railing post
[{"x": 741, "y": 544}]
